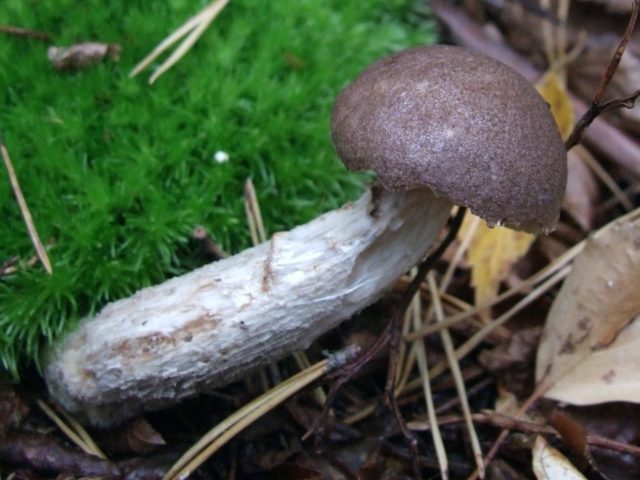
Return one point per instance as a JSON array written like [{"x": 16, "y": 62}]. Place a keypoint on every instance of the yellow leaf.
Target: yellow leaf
[
  {"x": 555, "y": 93},
  {"x": 491, "y": 254}
]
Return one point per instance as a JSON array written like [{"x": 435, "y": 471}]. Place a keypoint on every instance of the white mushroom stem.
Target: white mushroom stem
[{"x": 211, "y": 326}]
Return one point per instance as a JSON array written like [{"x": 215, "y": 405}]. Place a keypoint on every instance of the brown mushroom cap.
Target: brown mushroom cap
[{"x": 460, "y": 123}]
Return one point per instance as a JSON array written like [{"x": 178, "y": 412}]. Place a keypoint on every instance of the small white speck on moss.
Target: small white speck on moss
[{"x": 221, "y": 157}]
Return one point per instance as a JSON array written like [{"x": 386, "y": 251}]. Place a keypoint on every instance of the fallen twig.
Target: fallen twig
[
  {"x": 24, "y": 32},
  {"x": 597, "y": 107},
  {"x": 512, "y": 423}
]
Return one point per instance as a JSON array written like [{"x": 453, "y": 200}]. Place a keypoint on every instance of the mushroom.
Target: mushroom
[
  {"x": 438, "y": 125},
  {"x": 461, "y": 124}
]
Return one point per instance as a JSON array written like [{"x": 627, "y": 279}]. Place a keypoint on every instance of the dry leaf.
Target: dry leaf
[
  {"x": 507, "y": 403},
  {"x": 555, "y": 93},
  {"x": 137, "y": 436},
  {"x": 549, "y": 464},
  {"x": 82, "y": 55},
  {"x": 572, "y": 432},
  {"x": 590, "y": 342},
  {"x": 491, "y": 254}
]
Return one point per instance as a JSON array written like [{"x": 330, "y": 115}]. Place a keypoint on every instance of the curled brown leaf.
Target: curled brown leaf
[{"x": 82, "y": 55}]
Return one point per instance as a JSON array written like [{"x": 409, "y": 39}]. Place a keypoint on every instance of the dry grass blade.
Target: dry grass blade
[
  {"x": 407, "y": 356},
  {"x": 535, "y": 279},
  {"x": 303, "y": 363},
  {"x": 476, "y": 339},
  {"x": 552, "y": 274},
  {"x": 192, "y": 28},
  {"x": 166, "y": 43},
  {"x": 83, "y": 434},
  {"x": 604, "y": 176},
  {"x": 457, "y": 375},
  {"x": 232, "y": 425},
  {"x": 421, "y": 354},
  {"x": 74, "y": 431},
  {"x": 254, "y": 214},
  {"x": 465, "y": 241},
  {"x": 24, "y": 209}
]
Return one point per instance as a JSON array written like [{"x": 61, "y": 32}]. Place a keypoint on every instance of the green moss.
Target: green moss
[{"x": 117, "y": 173}]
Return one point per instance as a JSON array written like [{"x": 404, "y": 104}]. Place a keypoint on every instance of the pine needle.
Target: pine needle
[
  {"x": 73, "y": 430},
  {"x": 192, "y": 28},
  {"x": 604, "y": 176},
  {"x": 24, "y": 209},
  {"x": 217, "y": 437},
  {"x": 454, "y": 366},
  {"x": 254, "y": 214},
  {"x": 421, "y": 354}
]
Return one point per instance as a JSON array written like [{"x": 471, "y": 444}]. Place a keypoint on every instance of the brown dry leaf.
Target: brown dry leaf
[
  {"x": 554, "y": 92},
  {"x": 572, "y": 432},
  {"x": 136, "y": 436},
  {"x": 582, "y": 194},
  {"x": 82, "y": 55},
  {"x": 491, "y": 254},
  {"x": 549, "y": 464},
  {"x": 589, "y": 345}
]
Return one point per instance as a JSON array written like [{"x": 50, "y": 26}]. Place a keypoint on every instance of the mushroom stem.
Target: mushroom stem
[{"x": 209, "y": 327}]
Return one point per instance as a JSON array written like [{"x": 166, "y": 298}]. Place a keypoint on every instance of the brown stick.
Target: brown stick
[
  {"x": 24, "y": 32},
  {"x": 510, "y": 423}
]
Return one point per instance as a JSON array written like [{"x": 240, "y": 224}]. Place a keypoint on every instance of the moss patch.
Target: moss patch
[{"x": 117, "y": 174}]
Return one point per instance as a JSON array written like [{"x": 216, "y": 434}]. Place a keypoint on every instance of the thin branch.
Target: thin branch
[
  {"x": 24, "y": 32},
  {"x": 24, "y": 209},
  {"x": 597, "y": 107},
  {"x": 538, "y": 393},
  {"x": 511, "y": 423}
]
